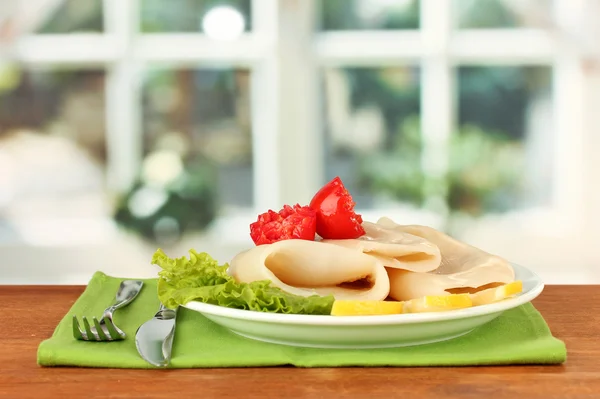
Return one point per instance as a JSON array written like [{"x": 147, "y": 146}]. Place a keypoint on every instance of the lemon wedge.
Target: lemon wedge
[
  {"x": 496, "y": 294},
  {"x": 365, "y": 308},
  {"x": 438, "y": 303}
]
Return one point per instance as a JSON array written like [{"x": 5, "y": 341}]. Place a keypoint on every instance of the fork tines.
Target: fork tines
[{"x": 97, "y": 332}]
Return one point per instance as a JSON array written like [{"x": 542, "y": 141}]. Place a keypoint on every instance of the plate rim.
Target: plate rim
[{"x": 372, "y": 320}]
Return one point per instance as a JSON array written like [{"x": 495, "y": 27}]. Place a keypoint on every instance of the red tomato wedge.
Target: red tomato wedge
[
  {"x": 336, "y": 218},
  {"x": 297, "y": 222}
]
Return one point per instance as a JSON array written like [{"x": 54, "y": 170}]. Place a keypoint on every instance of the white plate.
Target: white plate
[{"x": 364, "y": 332}]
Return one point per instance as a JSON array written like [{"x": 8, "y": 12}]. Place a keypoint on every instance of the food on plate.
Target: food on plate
[
  {"x": 395, "y": 249},
  {"x": 201, "y": 278},
  {"x": 461, "y": 265},
  {"x": 363, "y": 308},
  {"x": 495, "y": 294},
  {"x": 297, "y": 222},
  {"x": 310, "y": 267},
  {"x": 438, "y": 303},
  {"x": 336, "y": 218},
  {"x": 324, "y": 259},
  {"x": 459, "y": 298}
]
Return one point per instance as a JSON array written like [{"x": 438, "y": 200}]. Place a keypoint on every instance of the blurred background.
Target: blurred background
[{"x": 131, "y": 125}]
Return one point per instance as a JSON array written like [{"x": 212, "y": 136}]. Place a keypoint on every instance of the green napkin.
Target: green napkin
[{"x": 519, "y": 336}]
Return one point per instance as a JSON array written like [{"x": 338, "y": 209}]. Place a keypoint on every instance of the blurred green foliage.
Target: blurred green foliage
[
  {"x": 189, "y": 204},
  {"x": 473, "y": 14},
  {"x": 345, "y": 14},
  {"x": 484, "y": 169},
  {"x": 184, "y": 15},
  {"x": 486, "y": 160},
  {"x": 75, "y": 16}
]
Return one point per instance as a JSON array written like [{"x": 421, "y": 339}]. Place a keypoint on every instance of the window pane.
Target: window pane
[
  {"x": 70, "y": 16},
  {"x": 216, "y": 18},
  {"x": 52, "y": 153},
  {"x": 203, "y": 117},
  {"x": 373, "y": 138},
  {"x": 502, "y": 155},
  {"x": 369, "y": 14},
  {"x": 473, "y": 14}
]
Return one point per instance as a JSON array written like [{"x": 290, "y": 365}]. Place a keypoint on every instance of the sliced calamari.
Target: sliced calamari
[
  {"x": 395, "y": 248},
  {"x": 462, "y": 265},
  {"x": 307, "y": 268}
]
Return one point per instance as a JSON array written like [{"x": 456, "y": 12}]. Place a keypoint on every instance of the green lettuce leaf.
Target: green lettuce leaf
[{"x": 201, "y": 278}]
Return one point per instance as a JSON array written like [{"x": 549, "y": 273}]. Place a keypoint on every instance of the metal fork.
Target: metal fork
[{"x": 105, "y": 329}]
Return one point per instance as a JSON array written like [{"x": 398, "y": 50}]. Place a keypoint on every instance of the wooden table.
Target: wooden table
[{"x": 573, "y": 313}]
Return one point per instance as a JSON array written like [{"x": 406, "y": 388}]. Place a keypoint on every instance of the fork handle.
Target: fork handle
[{"x": 128, "y": 290}]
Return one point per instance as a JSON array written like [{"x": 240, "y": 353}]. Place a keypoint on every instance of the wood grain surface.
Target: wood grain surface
[{"x": 30, "y": 314}]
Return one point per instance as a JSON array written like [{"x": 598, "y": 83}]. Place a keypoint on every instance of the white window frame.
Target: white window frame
[{"x": 285, "y": 53}]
